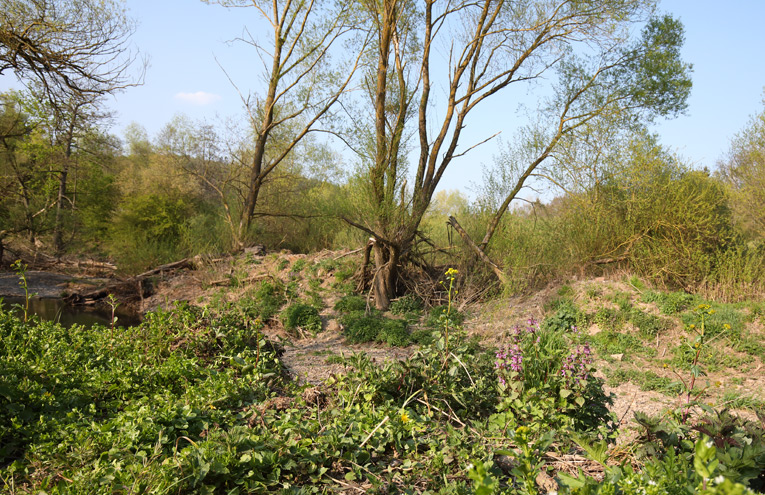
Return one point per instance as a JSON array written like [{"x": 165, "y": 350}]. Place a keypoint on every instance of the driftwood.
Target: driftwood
[{"x": 133, "y": 285}]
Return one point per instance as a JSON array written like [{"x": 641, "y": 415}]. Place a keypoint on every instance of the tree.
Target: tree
[
  {"x": 67, "y": 48},
  {"x": 490, "y": 46},
  {"x": 301, "y": 86},
  {"x": 48, "y": 157},
  {"x": 744, "y": 171}
]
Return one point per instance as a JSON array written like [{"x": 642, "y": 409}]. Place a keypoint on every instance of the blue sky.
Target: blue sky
[{"x": 183, "y": 38}]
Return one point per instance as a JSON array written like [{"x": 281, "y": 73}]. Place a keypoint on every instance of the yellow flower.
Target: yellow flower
[
  {"x": 726, "y": 326},
  {"x": 404, "y": 417}
]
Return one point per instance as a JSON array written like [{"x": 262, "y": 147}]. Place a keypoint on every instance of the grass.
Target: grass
[{"x": 646, "y": 380}]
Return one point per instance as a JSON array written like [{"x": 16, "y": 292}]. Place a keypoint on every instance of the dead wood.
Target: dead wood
[
  {"x": 131, "y": 288},
  {"x": 477, "y": 250}
]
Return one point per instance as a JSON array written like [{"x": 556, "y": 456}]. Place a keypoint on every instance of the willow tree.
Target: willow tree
[
  {"x": 302, "y": 84},
  {"x": 435, "y": 62}
]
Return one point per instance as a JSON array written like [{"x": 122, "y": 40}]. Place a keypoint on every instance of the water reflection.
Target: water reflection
[{"x": 56, "y": 310}]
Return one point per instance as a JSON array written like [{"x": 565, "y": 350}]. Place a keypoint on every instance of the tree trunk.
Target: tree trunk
[
  {"x": 58, "y": 243},
  {"x": 387, "y": 258}
]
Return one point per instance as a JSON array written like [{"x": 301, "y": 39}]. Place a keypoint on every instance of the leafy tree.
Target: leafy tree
[
  {"x": 491, "y": 46},
  {"x": 24, "y": 170},
  {"x": 744, "y": 171},
  {"x": 301, "y": 85}
]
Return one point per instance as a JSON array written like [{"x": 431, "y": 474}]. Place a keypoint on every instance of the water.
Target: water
[{"x": 57, "y": 310}]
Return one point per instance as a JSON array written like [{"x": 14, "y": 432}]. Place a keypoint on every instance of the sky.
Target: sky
[{"x": 192, "y": 66}]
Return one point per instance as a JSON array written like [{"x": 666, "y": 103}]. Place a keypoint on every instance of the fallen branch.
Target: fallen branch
[
  {"x": 92, "y": 297},
  {"x": 477, "y": 250}
]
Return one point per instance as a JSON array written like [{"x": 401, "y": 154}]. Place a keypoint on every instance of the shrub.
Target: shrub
[
  {"x": 406, "y": 304},
  {"x": 265, "y": 302},
  {"x": 302, "y": 316},
  {"x": 360, "y": 328},
  {"x": 349, "y": 304}
]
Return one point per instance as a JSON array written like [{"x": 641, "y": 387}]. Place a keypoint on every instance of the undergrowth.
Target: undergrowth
[{"x": 196, "y": 400}]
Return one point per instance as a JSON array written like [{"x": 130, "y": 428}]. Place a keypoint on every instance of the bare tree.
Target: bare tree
[
  {"x": 301, "y": 86},
  {"x": 68, "y": 47},
  {"x": 489, "y": 46}
]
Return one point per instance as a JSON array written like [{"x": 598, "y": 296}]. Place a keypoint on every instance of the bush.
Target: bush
[
  {"x": 360, "y": 328},
  {"x": 406, "y": 304},
  {"x": 302, "y": 316},
  {"x": 265, "y": 302},
  {"x": 349, "y": 304}
]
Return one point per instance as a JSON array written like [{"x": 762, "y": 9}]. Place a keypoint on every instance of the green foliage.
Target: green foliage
[
  {"x": 350, "y": 304},
  {"x": 265, "y": 302},
  {"x": 611, "y": 342},
  {"x": 646, "y": 380},
  {"x": 196, "y": 401},
  {"x": 566, "y": 316},
  {"x": 406, "y": 304},
  {"x": 359, "y": 327},
  {"x": 143, "y": 389},
  {"x": 670, "y": 303},
  {"x": 547, "y": 372},
  {"x": 302, "y": 316},
  {"x": 743, "y": 170},
  {"x": 437, "y": 313},
  {"x": 299, "y": 265}
]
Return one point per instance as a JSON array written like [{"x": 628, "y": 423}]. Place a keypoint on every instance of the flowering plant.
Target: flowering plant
[{"x": 547, "y": 371}]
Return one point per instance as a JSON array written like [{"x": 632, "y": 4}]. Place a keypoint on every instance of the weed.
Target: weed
[
  {"x": 299, "y": 265},
  {"x": 405, "y": 305},
  {"x": 359, "y": 327},
  {"x": 646, "y": 380},
  {"x": 609, "y": 342},
  {"x": 265, "y": 302},
  {"x": 566, "y": 317},
  {"x": 669, "y": 303},
  {"x": 350, "y": 304},
  {"x": 302, "y": 317},
  {"x": 21, "y": 270}
]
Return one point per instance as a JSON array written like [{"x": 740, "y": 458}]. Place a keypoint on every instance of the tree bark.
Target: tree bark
[{"x": 387, "y": 258}]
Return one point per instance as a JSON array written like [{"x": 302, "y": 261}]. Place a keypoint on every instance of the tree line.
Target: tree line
[{"x": 395, "y": 83}]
